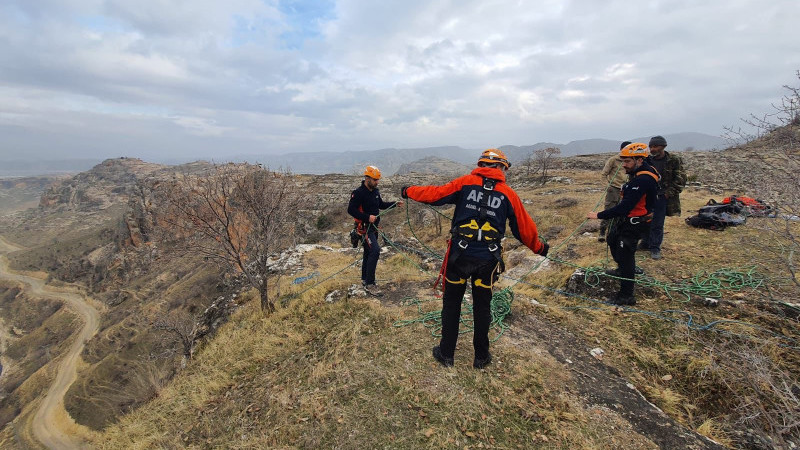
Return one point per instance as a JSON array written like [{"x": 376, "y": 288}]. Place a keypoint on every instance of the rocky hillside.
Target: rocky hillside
[
  {"x": 105, "y": 184},
  {"x": 21, "y": 193},
  {"x": 434, "y": 165}
]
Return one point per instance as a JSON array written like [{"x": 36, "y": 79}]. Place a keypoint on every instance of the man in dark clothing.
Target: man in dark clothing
[
  {"x": 668, "y": 203},
  {"x": 633, "y": 213},
  {"x": 365, "y": 205},
  {"x": 484, "y": 202},
  {"x": 615, "y": 177}
]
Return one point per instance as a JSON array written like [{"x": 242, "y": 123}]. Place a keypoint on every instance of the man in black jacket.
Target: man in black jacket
[
  {"x": 365, "y": 205},
  {"x": 632, "y": 215}
]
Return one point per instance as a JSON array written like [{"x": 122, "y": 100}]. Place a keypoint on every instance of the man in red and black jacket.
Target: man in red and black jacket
[
  {"x": 484, "y": 202},
  {"x": 632, "y": 217}
]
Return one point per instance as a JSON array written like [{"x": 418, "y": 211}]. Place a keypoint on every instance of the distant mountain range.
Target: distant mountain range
[
  {"x": 389, "y": 160},
  {"x": 22, "y": 168}
]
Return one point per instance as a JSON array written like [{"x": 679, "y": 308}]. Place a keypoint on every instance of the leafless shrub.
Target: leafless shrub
[
  {"x": 235, "y": 215},
  {"x": 181, "y": 327},
  {"x": 529, "y": 164},
  {"x": 782, "y": 121},
  {"x": 772, "y": 148},
  {"x": 545, "y": 160}
]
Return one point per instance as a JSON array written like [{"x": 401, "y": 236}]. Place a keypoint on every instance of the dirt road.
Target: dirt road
[{"x": 51, "y": 424}]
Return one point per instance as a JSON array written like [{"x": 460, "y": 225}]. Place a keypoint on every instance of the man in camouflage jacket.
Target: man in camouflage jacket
[{"x": 673, "y": 180}]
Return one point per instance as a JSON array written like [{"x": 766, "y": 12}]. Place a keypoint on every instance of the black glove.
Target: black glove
[
  {"x": 545, "y": 249},
  {"x": 403, "y": 192}
]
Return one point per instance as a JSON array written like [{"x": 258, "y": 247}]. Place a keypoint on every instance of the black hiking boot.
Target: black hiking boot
[
  {"x": 372, "y": 289},
  {"x": 622, "y": 300},
  {"x": 480, "y": 363},
  {"x": 437, "y": 354}
]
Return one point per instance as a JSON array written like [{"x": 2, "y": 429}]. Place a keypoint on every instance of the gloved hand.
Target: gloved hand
[
  {"x": 403, "y": 192},
  {"x": 545, "y": 249}
]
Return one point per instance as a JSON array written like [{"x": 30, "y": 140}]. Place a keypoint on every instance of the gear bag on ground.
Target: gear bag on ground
[{"x": 718, "y": 216}]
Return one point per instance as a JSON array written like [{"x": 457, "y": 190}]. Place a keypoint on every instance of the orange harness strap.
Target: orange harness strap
[
  {"x": 646, "y": 172},
  {"x": 442, "y": 270}
]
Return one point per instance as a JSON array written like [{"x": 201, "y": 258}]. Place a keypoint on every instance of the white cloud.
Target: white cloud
[{"x": 252, "y": 76}]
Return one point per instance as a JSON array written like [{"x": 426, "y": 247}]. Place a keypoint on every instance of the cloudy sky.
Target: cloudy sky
[{"x": 207, "y": 78}]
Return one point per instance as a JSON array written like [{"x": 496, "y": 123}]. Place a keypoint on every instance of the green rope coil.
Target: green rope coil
[{"x": 500, "y": 309}]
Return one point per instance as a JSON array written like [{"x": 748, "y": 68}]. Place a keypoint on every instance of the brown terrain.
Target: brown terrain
[{"x": 100, "y": 371}]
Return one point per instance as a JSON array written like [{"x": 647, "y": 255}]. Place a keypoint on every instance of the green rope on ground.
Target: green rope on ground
[
  {"x": 667, "y": 315},
  {"x": 397, "y": 246},
  {"x": 501, "y": 300},
  {"x": 703, "y": 284},
  {"x": 408, "y": 221},
  {"x": 500, "y": 309}
]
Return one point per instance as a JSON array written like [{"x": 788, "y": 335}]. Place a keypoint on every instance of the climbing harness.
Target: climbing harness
[{"x": 480, "y": 230}]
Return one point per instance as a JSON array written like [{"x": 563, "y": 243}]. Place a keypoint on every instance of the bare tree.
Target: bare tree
[
  {"x": 530, "y": 164},
  {"x": 236, "y": 215},
  {"x": 545, "y": 159},
  {"x": 784, "y": 115},
  {"x": 771, "y": 147},
  {"x": 183, "y": 327}
]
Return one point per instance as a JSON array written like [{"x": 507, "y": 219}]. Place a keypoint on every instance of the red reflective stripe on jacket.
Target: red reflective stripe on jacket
[
  {"x": 640, "y": 209},
  {"x": 641, "y": 206}
]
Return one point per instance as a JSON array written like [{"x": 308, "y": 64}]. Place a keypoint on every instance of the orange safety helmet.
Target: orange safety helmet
[
  {"x": 373, "y": 172},
  {"x": 494, "y": 156},
  {"x": 635, "y": 150}
]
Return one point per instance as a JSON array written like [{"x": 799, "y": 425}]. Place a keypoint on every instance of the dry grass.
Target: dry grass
[{"x": 341, "y": 375}]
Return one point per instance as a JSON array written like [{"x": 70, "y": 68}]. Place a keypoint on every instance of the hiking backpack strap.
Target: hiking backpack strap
[{"x": 488, "y": 186}]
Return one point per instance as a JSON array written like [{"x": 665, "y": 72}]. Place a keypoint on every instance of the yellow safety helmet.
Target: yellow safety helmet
[
  {"x": 635, "y": 150},
  {"x": 494, "y": 156},
  {"x": 373, "y": 172}
]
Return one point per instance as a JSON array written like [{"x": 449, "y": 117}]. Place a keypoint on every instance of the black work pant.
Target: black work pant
[
  {"x": 622, "y": 241},
  {"x": 372, "y": 251},
  {"x": 612, "y": 198},
  {"x": 655, "y": 236},
  {"x": 483, "y": 274}
]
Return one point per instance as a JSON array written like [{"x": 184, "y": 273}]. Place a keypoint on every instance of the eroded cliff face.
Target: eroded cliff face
[{"x": 105, "y": 184}]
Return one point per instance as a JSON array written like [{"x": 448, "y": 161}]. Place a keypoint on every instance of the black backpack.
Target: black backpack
[{"x": 718, "y": 216}]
